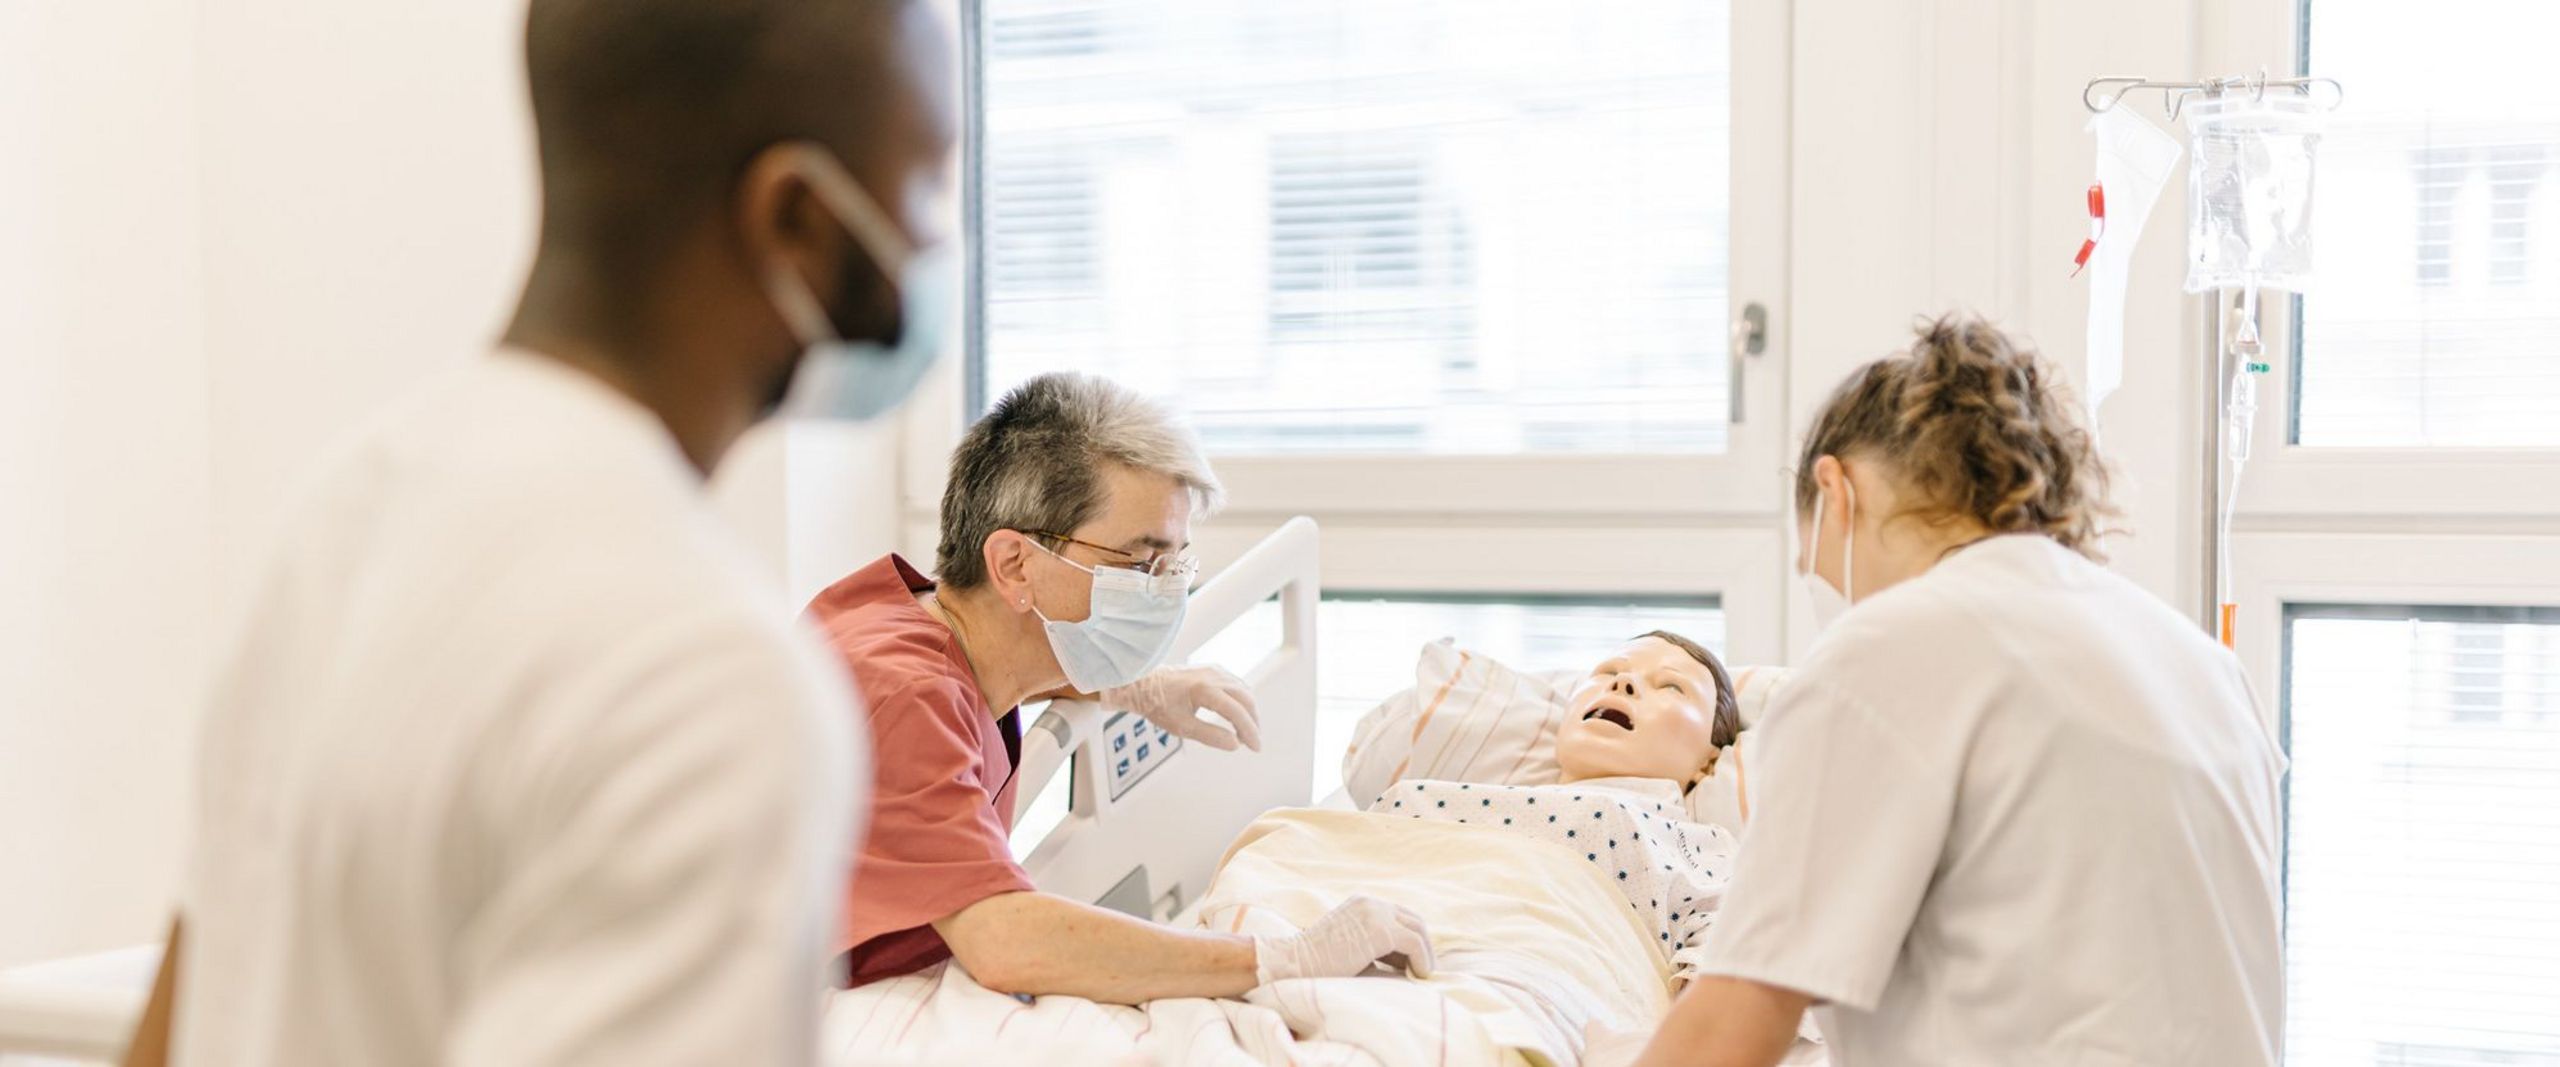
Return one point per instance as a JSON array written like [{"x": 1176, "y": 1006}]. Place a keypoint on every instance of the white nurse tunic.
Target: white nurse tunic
[{"x": 2016, "y": 810}]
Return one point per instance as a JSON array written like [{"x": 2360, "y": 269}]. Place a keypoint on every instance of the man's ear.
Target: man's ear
[
  {"x": 779, "y": 219},
  {"x": 1007, "y": 554}
]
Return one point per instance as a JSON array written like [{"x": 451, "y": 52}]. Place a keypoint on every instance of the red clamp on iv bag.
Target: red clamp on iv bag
[{"x": 2097, "y": 228}]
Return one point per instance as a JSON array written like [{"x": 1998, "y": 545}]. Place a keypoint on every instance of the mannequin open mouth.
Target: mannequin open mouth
[{"x": 1612, "y": 716}]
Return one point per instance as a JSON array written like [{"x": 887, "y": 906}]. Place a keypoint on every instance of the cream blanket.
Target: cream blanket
[{"x": 1532, "y": 946}]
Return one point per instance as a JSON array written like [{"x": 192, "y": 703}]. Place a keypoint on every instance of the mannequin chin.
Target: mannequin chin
[{"x": 1655, "y": 709}]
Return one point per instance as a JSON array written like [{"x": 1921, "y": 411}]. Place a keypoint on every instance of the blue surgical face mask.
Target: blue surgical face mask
[
  {"x": 863, "y": 380},
  {"x": 1132, "y": 625}
]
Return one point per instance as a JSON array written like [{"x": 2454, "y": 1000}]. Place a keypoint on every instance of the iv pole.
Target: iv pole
[{"x": 2230, "y": 320}]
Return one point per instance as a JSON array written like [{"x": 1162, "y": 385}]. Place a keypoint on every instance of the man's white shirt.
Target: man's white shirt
[{"x": 515, "y": 759}]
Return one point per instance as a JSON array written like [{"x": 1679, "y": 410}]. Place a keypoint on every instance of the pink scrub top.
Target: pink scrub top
[{"x": 942, "y": 781}]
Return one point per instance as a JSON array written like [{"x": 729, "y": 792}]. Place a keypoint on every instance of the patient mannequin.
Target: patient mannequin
[
  {"x": 1644, "y": 726},
  {"x": 1662, "y": 707}
]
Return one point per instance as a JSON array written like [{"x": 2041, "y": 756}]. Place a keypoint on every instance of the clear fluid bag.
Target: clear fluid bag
[{"x": 2250, "y": 161}]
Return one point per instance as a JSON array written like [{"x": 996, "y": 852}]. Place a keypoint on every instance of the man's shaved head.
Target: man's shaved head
[
  {"x": 717, "y": 174},
  {"x": 647, "y": 111}
]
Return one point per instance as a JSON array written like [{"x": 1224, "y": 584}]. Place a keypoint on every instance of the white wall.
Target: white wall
[
  {"x": 368, "y": 207},
  {"x": 230, "y": 230},
  {"x": 103, "y": 468}
]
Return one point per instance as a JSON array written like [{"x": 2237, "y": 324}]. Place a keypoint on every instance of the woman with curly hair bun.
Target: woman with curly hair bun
[{"x": 2028, "y": 811}]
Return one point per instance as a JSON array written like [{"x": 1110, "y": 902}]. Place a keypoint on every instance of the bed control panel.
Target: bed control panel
[{"x": 1132, "y": 748}]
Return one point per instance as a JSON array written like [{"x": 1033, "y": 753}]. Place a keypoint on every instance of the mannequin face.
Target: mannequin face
[{"x": 1647, "y": 712}]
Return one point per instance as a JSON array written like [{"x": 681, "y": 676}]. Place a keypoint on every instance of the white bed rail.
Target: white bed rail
[
  {"x": 1144, "y": 833},
  {"x": 78, "y": 1010},
  {"x": 82, "y": 1025}
]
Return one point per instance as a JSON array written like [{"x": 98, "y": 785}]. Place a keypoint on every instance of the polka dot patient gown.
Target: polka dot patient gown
[{"x": 1636, "y": 830}]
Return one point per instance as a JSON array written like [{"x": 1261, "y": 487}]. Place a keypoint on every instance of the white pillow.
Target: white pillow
[
  {"x": 1721, "y": 797},
  {"x": 1471, "y": 719}
]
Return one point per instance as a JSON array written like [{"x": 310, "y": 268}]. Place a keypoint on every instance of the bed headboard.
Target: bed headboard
[{"x": 1145, "y": 823}]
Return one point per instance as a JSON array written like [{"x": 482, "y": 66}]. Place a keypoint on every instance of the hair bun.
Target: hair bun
[{"x": 1979, "y": 427}]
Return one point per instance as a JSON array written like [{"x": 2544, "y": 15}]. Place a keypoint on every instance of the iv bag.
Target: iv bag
[{"x": 2249, "y": 190}]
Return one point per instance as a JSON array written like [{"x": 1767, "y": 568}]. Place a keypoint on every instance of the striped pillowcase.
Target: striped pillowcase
[{"x": 1467, "y": 719}]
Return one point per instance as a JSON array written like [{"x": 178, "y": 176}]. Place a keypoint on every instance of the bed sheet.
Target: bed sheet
[{"x": 1533, "y": 946}]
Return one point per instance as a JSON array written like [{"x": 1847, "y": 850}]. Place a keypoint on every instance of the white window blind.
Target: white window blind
[
  {"x": 1377, "y": 226},
  {"x": 1040, "y": 224},
  {"x": 1369, "y": 642},
  {"x": 2423, "y": 837},
  {"x": 2436, "y": 317}
]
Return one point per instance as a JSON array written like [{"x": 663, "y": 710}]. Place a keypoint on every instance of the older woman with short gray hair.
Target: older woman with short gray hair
[{"x": 1064, "y": 566}]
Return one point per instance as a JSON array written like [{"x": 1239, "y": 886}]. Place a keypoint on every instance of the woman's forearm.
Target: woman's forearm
[
  {"x": 1727, "y": 1022},
  {"x": 1038, "y": 944}
]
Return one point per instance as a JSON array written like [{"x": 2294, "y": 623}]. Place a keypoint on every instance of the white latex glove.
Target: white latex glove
[
  {"x": 1605, "y": 1047},
  {"x": 1172, "y": 697},
  {"x": 1363, "y": 931}
]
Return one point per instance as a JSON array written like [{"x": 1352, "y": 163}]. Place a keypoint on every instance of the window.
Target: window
[
  {"x": 2422, "y": 805},
  {"x": 1456, "y": 280},
  {"x": 2446, "y": 336},
  {"x": 1048, "y": 29},
  {"x": 1371, "y": 226},
  {"x": 2438, "y": 180},
  {"x": 2514, "y": 173},
  {"x": 1368, "y": 642},
  {"x": 2423, "y": 839},
  {"x": 1040, "y": 220}
]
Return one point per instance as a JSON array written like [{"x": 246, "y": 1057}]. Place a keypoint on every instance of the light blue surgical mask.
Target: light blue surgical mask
[
  {"x": 863, "y": 380},
  {"x": 1132, "y": 625}
]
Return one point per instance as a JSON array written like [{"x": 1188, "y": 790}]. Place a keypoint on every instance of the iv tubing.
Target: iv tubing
[{"x": 2240, "y": 413}]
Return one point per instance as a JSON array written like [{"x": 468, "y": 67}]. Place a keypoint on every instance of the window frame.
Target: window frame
[
  {"x": 2447, "y": 488},
  {"x": 1528, "y": 525},
  {"x": 2286, "y": 576},
  {"x": 2321, "y": 529},
  {"x": 2342, "y": 569},
  {"x": 1744, "y": 479},
  {"x": 2290, "y": 485}
]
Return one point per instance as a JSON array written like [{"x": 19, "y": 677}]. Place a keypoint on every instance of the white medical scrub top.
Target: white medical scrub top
[
  {"x": 515, "y": 759},
  {"x": 2016, "y": 810}
]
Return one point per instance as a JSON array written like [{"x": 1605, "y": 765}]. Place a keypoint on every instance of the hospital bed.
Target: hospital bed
[{"x": 1140, "y": 819}]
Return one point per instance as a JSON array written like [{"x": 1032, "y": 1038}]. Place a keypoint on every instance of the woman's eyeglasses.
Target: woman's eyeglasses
[{"x": 1162, "y": 565}]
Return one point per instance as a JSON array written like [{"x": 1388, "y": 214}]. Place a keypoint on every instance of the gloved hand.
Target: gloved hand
[
  {"x": 1171, "y": 697},
  {"x": 1606, "y": 1047},
  {"x": 1363, "y": 931}
]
